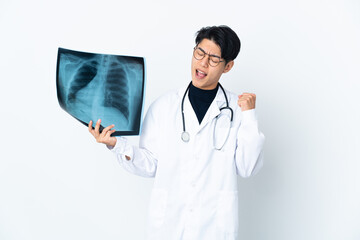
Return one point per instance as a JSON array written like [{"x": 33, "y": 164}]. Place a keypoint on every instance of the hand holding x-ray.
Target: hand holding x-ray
[{"x": 105, "y": 136}]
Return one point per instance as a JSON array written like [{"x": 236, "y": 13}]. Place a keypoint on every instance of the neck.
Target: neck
[{"x": 205, "y": 90}]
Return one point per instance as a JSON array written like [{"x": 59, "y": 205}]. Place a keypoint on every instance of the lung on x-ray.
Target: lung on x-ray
[{"x": 101, "y": 86}]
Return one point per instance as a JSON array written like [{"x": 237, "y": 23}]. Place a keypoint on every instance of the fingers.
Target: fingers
[
  {"x": 105, "y": 131},
  {"x": 108, "y": 133},
  {"x": 247, "y": 101},
  {"x": 105, "y": 135},
  {"x": 108, "y": 128},
  {"x": 248, "y": 94},
  {"x": 90, "y": 128},
  {"x": 97, "y": 127}
]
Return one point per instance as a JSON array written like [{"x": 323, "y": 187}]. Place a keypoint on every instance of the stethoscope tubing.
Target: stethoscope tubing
[{"x": 185, "y": 136}]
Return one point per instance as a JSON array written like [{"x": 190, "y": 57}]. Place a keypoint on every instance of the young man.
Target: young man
[{"x": 195, "y": 141}]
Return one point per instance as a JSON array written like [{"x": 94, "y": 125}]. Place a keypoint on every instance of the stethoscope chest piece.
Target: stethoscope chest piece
[
  {"x": 185, "y": 136},
  {"x": 224, "y": 123}
]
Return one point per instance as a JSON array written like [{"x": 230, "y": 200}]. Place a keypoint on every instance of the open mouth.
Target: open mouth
[{"x": 200, "y": 74}]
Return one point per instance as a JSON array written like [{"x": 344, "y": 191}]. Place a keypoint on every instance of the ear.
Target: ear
[{"x": 228, "y": 66}]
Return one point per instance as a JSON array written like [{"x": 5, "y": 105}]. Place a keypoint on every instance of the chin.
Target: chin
[{"x": 196, "y": 83}]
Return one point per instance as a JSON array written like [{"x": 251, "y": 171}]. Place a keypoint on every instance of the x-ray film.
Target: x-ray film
[{"x": 100, "y": 86}]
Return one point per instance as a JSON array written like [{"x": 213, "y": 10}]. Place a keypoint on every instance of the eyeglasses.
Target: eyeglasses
[{"x": 213, "y": 60}]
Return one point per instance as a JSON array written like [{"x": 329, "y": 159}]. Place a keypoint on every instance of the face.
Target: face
[{"x": 203, "y": 75}]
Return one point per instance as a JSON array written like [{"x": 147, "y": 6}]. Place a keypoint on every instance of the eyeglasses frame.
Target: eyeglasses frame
[{"x": 210, "y": 56}]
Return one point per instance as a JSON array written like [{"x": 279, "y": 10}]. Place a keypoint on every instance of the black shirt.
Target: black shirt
[{"x": 201, "y": 99}]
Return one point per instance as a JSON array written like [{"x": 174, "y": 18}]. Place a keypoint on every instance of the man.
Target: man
[{"x": 195, "y": 141}]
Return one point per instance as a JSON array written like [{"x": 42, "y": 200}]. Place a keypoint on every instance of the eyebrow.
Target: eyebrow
[{"x": 212, "y": 55}]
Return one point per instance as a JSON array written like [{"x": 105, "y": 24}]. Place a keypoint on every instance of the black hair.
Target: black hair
[{"x": 224, "y": 37}]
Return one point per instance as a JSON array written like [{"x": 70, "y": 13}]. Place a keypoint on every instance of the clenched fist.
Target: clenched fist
[{"x": 247, "y": 101}]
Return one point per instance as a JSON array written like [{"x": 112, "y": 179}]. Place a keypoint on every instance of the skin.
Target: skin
[
  {"x": 203, "y": 76},
  {"x": 212, "y": 74}
]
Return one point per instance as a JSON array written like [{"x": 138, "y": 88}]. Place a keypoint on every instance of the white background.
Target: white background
[{"x": 301, "y": 58}]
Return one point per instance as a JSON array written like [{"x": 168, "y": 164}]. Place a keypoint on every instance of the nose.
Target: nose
[{"x": 205, "y": 61}]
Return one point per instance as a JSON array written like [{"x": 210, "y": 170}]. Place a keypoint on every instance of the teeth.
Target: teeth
[{"x": 201, "y": 72}]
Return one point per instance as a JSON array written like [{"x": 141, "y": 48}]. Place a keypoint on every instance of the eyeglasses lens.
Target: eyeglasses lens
[{"x": 199, "y": 55}]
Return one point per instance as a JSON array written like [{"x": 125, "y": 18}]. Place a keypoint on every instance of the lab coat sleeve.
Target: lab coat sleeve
[
  {"x": 143, "y": 161},
  {"x": 250, "y": 142}
]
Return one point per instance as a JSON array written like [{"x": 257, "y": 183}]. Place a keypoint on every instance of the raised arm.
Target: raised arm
[{"x": 250, "y": 141}]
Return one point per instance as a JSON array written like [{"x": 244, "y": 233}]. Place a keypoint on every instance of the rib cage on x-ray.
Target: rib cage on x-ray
[
  {"x": 84, "y": 75},
  {"x": 116, "y": 94},
  {"x": 92, "y": 86}
]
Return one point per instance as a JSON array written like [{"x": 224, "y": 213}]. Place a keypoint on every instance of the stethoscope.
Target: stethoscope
[{"x": 185, "y": 136}]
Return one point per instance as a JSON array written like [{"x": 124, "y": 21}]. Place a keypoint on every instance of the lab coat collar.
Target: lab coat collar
[
  {"x": 219, "y": 98},
  {"x": 214, "y": 109},
  {"x": 192, "y": 124}
]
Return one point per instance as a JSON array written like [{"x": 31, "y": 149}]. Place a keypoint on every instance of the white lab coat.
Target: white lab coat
[{"x": 195, "y": 192}]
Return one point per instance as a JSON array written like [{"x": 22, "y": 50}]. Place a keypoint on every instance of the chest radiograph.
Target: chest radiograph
[{"x": 92, "y": 86}]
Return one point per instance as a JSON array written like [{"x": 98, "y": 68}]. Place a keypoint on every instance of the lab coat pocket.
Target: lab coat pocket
[
  {"x": 227, "y": 212},
  {"x": 157, "y": 207}
]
